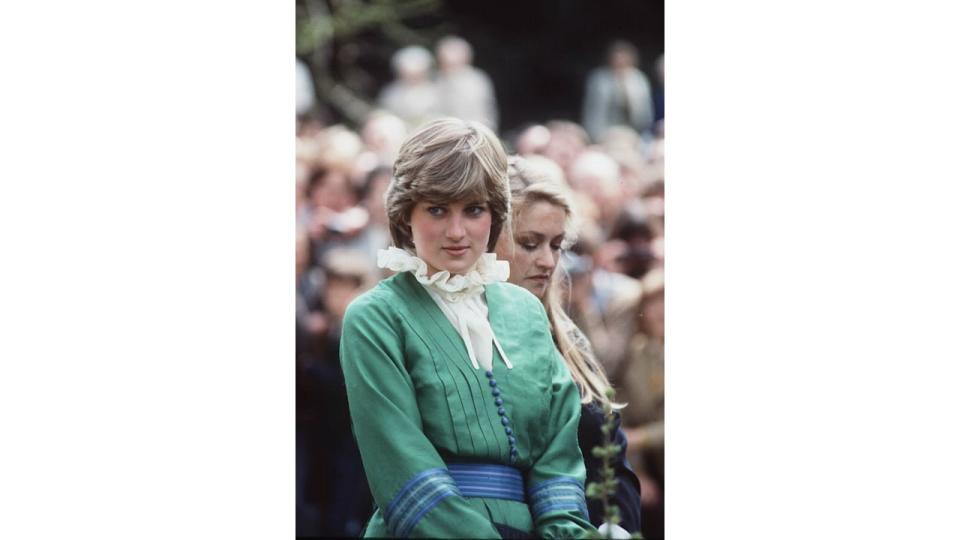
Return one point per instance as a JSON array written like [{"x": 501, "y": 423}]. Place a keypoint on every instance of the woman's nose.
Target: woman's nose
[
  {"x": 455, "y": 228},
  {"x": 545, "y": 259}
]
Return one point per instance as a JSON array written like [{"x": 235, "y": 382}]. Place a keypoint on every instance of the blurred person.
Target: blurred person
[
  {"x": 376, "y": 235},
  {"x": 567, "y": 140},
  {"x": 597, "y": 175},
  {"x": 383, "y": 133},
  {"x": 331, "y": 189},
  {"x": 465, "y": 414},
  {"x": 542, "y": 226},
  {"x": 654, "y": 207},
  {"x": 546, "y": 170},
  {"x": 311, "y": 123},
  {"x": 622, "y": 139},
  {"x": 618, "y": 94},
  {"x": 334, "y": 218},
  {"x": 309, "y": 283},
  {"x": 629, "y": 151},
  {"x": 374, "y": 194},
  {"x": 602, "y": 299},
  {"x": 464, "y": 91},
  {"x": 533, "y": 140},
  {"x": 412, "y": 95},
  {"x": 632, "y": 227},
  {"x": 657, "y": 149},
  {"x": 657, "y": 247},
  {"x": 307, "y": 152},
  {"x": 640, "y": 382},
  {"x": 334, "y": 477},
  {"x": 338, "y": 148}
]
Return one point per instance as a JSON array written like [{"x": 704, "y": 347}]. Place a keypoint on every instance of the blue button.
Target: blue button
[
  {"x": 498, "y": 401},
  {"x": 489, "y": 374},
  {"x": 504, "y": 420},
  {"x": 501, "y": 411},
  {"x": 508, "y": 431},
  {"x": 493, "y": 382},
  {"x": 513, "y": 451},
  {"x": 496, "y": 391},
  {"x": 512, "y": 439}
]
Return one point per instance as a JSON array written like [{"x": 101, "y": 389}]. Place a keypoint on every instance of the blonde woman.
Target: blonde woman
[
  {"x": 541, "y": 227},
  {"x": 464, "y": 412}
]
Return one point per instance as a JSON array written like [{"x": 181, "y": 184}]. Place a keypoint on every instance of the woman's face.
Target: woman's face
[
  {"x": 450, "y": 236},
  {"x": 534, "y": 250}
]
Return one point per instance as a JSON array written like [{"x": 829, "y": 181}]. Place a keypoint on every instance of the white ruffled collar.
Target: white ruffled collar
[{"x": 452, "y": 287}]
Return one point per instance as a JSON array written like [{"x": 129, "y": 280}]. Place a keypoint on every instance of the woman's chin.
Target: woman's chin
[
  {"x": 459, "y": 266},
  {"x": 536, "y": 287}
]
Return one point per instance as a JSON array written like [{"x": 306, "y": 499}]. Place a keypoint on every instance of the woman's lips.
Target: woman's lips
[{"x": 456, "y": 250}]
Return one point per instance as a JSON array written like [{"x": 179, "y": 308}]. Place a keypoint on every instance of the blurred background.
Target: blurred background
[{"x": 576, "y": 87}]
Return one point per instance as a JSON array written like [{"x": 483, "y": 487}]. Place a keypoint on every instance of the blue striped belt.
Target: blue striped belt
[{"x": 488, "y": 480}]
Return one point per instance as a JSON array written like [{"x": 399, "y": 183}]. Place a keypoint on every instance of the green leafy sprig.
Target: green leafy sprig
[{"x": 606, "y": 488}]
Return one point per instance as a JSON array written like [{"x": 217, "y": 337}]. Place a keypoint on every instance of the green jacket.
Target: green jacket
[{"x": 418, "y": 404}]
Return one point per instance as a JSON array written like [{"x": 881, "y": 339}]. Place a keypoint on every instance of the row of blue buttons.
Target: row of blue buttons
[{"x": 503, "y": 416}]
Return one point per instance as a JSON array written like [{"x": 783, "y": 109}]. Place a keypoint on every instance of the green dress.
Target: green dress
[{"x": 418, "y": 405}]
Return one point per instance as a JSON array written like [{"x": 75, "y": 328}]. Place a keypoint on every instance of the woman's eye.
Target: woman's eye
[
  {"x": 476, "y": 210},
  {"x": 529, "y": 246},
  {"x": 435, "y": 210},
  {"x": 556, "y": 247}
]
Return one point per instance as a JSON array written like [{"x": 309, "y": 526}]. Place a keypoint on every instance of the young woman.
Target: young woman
[
  {"x": 465, "y": 415},
  {"x": 542, "y": 225}
]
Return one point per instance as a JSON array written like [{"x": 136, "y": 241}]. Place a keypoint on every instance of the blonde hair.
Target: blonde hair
[
  {"x": 444, "y": 161},
  {"x": 527, "y": 186}
]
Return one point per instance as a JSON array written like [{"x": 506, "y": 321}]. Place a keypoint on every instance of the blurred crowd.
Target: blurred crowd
[{"x": 612, "y": 163}]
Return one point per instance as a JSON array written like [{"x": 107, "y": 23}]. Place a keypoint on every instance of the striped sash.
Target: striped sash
[{"x": 488, "y": 480}]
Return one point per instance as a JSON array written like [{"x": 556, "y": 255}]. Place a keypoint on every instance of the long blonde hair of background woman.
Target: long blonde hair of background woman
[{"x": 526, "y": 188}]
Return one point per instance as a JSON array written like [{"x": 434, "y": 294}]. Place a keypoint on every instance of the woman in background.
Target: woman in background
[
  {"x": 542, "y": 226},
  {"x": 464, "y": 412}
]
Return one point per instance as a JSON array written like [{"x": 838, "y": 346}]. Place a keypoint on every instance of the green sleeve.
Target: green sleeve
[
  {"x": 407, "y": 477},
  {"x": 555, "y": 483}
]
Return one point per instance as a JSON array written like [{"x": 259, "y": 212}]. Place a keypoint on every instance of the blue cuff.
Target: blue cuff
[
  {"x": 416, "y": 498},
  {"x": 557, "y": 495}
]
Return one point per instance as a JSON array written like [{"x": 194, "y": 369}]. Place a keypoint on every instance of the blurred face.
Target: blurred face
[
  {"x": 534, "y": 252},
  {"x": 562, "y": 148},
  {"x": 450, "y": 236},
  {"x": 621, "y": 60},
  {"x": 334, "y": 192},
  {"x": 452, "y": 57}
]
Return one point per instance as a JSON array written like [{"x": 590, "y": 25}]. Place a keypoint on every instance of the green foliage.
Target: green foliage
[
  {"x": 324, "y": 26},
  {"x": 606, "y": 488},
  {"x": 319, "y": 23}
]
